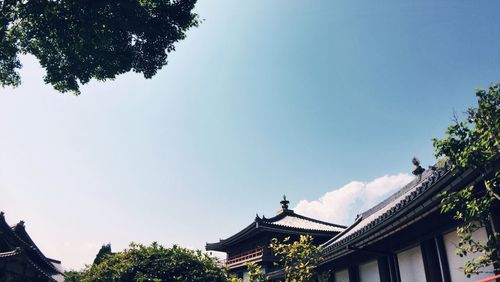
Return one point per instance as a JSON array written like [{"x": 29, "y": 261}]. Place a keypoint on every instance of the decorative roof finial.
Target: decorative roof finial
[
  {"x": 284, "y": 203},
  {"x": 418, "y": 169}
]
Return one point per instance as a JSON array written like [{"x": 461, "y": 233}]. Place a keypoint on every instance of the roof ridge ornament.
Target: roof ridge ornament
[
  {"x": 284, "y": 203},
  {"x": 418, "y": 168},
  {"x": 257, "y": 218}
]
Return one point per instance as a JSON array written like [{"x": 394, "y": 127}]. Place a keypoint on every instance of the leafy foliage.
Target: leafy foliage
[
  {"x": 103, "y": 253},
  {"x": 233, "y": 278},
  {"x": 73, "y": 276},
  {"x": 155, "y": 263},
  {"x": 475, "y": 143},
  {"x": 76, "y": 41},
  {"x": 299, "y": 258},
  {"x": 255, "y": 273},
  {"x": 323, "y": 276}
]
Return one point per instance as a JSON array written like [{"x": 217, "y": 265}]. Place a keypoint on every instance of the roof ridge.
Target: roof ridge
[
  {"x": 417, "y": 180},
  {"x": 329, "y": 242},
  {"x": 291, "y": 213},
  {"x": 318, "y": 221}
]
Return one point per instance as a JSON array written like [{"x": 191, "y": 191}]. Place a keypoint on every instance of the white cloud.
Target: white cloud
[{"x": 343, "y": 204}]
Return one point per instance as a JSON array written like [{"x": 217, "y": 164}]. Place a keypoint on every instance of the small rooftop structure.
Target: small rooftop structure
[
  {"x": 251, "y": 243},
  {"x": 285, "y": 222}
]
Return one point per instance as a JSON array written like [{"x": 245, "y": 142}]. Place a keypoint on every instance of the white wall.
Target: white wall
[
  {"x": 368, "y": 272},
  {"x": 245, "y": 276},
  {"x": 411, "y": 265},
  {"x": 455, "y": 262},
  {"x": 342, "y": 276}
]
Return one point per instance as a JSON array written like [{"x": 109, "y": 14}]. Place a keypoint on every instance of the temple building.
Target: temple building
[
  {"x": 252, "y": 243},
  {"x": 21, "y": 259},
  {"x": 406, "y": 237}
]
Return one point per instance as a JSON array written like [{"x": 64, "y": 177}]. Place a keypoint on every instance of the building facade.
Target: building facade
[
  {"x": 406, "y": 238},
  {"x": 252, "y": 243}
]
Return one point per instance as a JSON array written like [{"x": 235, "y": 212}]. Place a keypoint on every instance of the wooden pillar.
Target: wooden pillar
[
  {"x": 431, "y": 261},
  {"x": 331, "y": 277},
  {"x": 388, "y": 269},
  {"x": 383, "y": 269},
  {"x": 394, "y": 268},
  {"x": 443, "y": 259},
  {"x": 353, "y": 273}
]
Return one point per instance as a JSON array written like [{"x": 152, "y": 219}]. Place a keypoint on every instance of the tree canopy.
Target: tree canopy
[
  {"x": 155, "y": 263},
  {"x": 474, "y": 143},
  {"x": 255, "y": 273},
  {"x": 103, "y": 253},
  {"x": 299, "y": 258},
  {"x": 76, "y": 41}
]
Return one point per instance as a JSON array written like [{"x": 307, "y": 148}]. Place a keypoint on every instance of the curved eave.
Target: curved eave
[{"x": 221, "y": 246}]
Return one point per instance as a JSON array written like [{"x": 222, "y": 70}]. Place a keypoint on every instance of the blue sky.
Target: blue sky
[{"x": 265, "y": 98}]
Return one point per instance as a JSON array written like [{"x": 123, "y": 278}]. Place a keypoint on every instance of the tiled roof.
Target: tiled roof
[
  {"x": 18, "y": 238},
  {"x": 293, "y": 220},
  {"x": 285, "y": 222},
  {"x": 20, "y": 232},
  {"x": 387, "y": 208}
]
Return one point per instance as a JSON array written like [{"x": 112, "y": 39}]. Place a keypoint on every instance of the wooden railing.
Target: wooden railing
[{"x": 241, "y": 259}]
